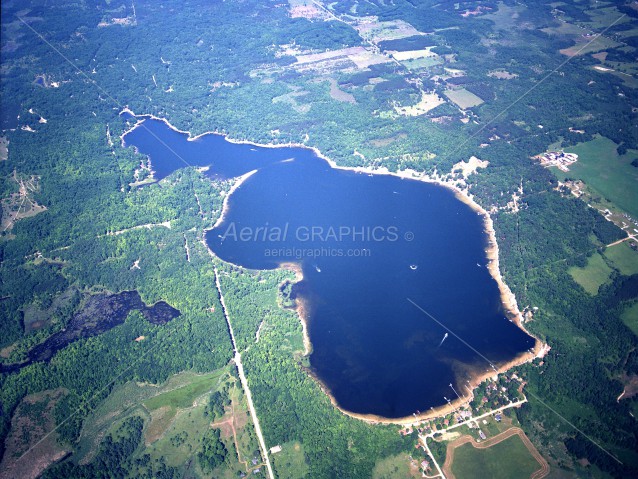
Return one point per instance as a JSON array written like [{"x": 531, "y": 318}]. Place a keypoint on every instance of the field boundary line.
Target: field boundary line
[{"x": 507, "y": 434}]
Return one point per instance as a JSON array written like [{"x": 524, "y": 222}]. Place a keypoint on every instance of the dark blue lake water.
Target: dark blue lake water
[{"x": 366, "y": 244}]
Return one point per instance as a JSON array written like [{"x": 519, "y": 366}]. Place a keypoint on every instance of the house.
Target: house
[
  {"x": 275, "y": 449},
  {"x": 482, "y": 435}
]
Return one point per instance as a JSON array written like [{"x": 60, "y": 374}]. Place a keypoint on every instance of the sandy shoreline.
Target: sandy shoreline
[
  {"x": 492, "y": 253},
  {"x": 300, "y": 306},
  {"x": 238, "y": 182}
]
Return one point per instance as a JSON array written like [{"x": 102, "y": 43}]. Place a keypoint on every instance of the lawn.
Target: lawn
[
  {"x": 593, "y": 275},
  {"x": 463, "y": 98},
  {"x": 505, "y": 460},
  {"x": 606, "y": 173},
  {"x": 630, "y": 318}
]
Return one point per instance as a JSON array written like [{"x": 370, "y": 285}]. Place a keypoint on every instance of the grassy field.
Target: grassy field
[
  {"x": 606, "y": 173},
  {"x": 183, "y": 396},
  {"x": 505, "y": 18},
  {"x": 624, "y": 258},
  {"x": 160, "y": 406},
  {"x": 505, "y": 460},
  {"x": 494, "y": 427},
  {"x": 428, "y": 102},
  {"x": 592, "y": 276},
  {"x": 630, "y": 318},
  {"x": 564, "y": 28},
  {"x": 180, "y": 439},
  {"x": 290, "y": 461},
  {"x": 626, "y": 77},
  {"x": 463, "y": 98},
  {"x": 585, "y": 45},
  {"x": 418, "y": 63},
  {"x": 395, "y": 467},
  {"x": 601, "y": 18}
]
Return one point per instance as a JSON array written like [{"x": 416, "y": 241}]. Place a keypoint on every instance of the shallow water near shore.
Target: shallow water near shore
[{"x": 365, "y": 243}]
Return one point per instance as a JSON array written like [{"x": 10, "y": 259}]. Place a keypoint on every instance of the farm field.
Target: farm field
[
  {"x": 420, "y": 63},
  {"x": 503, "y": 457},
  {"x": 606, "y": 172},
  {"x": 592, "y": 276},
  {"x": 600, "y": 267},
  {"x": 623, "y": 258},
  {"x": 463, "y": 98}
]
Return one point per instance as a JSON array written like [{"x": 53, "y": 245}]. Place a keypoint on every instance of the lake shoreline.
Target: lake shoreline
[
  {"x": 300, "y": 306},
  {"x": 491, "y": 251},
  {"x": 238, "y": 182}
]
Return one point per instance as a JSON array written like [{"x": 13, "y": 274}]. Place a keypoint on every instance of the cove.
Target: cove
[{"x": 370, "y": 247}]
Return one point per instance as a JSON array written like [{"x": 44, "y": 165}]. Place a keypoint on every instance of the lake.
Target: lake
[{"x": 365, "y": 243}]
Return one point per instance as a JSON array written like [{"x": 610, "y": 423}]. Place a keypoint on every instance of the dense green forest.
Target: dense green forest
[{"x": 221, "y": 66}]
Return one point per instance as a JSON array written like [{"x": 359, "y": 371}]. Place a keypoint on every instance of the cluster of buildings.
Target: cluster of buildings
[{"x": 559, "y": 159}]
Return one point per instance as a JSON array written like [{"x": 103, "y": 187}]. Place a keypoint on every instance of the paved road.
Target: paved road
[{"x": 487, "y": 414}]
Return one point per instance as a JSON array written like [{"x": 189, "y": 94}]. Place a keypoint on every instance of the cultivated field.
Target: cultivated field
[
  {"x": 606, "y": 173},
  {"x": 462, "y": 98},
  {"x": 377, "y": 31},
  {"x": 508, "y": 455},
  {"x": 413, "y": 54}
]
